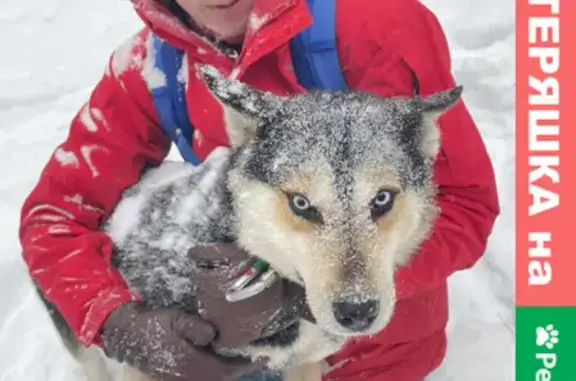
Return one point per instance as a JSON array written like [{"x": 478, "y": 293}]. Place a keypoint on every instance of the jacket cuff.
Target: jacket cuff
[{"x": 99, "y": 310}]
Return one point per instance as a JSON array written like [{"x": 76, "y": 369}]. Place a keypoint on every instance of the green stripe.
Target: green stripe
[
  {"x": 546, "y": 344},
  {"x": 260, "y": 266}
]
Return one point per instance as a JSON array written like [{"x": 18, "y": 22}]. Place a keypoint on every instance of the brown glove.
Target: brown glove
[
  {"x": 168, "y": 345},
  {"x": 241, "y": 322},
  {"x": 173, "y": 346}
]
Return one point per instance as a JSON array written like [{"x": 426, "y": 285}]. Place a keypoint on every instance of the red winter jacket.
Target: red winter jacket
[{"x": 381, "y": 44}]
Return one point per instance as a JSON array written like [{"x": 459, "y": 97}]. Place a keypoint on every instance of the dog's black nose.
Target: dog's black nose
[{"x": 356, "y": 316}]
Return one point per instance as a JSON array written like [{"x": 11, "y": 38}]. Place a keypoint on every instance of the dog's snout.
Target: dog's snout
[{"x": 356, "y": 317}]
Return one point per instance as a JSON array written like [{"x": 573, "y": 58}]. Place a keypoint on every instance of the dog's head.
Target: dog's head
[{"x": 334, "y": 190}]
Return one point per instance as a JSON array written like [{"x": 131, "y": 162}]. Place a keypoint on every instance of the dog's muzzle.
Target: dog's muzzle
[{"x": 356, "y": 317}]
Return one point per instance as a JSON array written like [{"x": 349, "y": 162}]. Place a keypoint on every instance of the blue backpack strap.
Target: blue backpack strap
[
  {"x": 170, "y": 99},
  {"x": 314, "y": 53}
]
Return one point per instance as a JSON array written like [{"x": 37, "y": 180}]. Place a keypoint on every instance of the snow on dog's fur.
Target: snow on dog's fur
[{"x": 334, "y": 190}]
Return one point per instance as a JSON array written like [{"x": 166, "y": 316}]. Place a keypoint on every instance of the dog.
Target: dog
[{"x": 340, "y": 182}]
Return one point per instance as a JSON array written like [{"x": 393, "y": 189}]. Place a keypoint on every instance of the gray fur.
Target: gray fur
[
  {"x": 152, "y": 256},
  {"x": 71, "y": 344},
  {"x": 348, "y": 128}
]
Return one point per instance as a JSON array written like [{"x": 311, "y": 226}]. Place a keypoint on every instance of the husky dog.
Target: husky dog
[{"x": 334, "y": 190}]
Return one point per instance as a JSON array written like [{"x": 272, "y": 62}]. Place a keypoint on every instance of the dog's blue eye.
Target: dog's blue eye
[
  {"x": 382, "y": 203},
  {"x": 300, "y": 202},
  {"x": 302, "y": 207},
  {"x": 383, "y": 198}
]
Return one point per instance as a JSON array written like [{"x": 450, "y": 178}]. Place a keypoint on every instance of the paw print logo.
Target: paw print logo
[{"x": 547, "y": 336}]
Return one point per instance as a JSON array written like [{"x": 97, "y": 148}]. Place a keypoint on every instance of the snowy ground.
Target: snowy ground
[{"x": 55, "y": 50}]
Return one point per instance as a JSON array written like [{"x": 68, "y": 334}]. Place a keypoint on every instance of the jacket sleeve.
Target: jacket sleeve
[
  {"x": 467, "y": 196},
  {"x": 110, "y": 141}
]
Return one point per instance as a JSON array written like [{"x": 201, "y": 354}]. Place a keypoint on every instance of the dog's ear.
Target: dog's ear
[
  {"x": 438, "y": 103},
  {"x": 244, "y": 107},
  {"x": 432, "y": 107}
]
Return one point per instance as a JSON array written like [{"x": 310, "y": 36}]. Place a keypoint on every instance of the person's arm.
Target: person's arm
[
  {"x": 417, "y": 49},
  {"x": 110, "y": 141}
]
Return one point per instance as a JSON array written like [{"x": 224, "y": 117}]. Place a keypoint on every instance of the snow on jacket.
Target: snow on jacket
[{"x": 382, "y": 45}]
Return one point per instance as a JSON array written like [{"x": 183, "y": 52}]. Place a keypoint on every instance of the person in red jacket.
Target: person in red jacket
[{"x": 382, "y": 44}]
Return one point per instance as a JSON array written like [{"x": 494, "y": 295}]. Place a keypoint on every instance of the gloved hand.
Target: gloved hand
[
  {"x": 168, "y": 345},
  {"x": 173, "y": 346},
  {"x": 240, "y": 322}
]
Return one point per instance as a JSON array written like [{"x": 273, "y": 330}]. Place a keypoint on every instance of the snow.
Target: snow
[
  {"x": 66, "y": 158},
  {"x": 153, "y": 76},
  {"x": 60, "y": 49}
]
